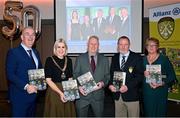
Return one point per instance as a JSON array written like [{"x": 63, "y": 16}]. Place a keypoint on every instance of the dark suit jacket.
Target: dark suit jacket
[
  {"x": 133, "y": 79},
  {"x": 101, "y": 73},
  {"x": 115, "y": 24},
  {"x": 99, "y": 31},
  {"x": 17, "y": 65},
  {"x": 124, "y": 28}
]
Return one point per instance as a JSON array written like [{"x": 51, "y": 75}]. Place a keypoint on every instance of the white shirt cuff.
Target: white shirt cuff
[{"x": 25, "y": 87}]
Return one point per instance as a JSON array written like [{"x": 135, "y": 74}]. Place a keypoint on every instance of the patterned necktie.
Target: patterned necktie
[
  {"x": 123, "y": 62},
  {"x": 30, "y": 55},
  {"x": 93, "y": 65}
]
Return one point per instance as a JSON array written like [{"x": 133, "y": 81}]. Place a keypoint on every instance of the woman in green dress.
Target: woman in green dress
[{"x": 155, "y": 93}]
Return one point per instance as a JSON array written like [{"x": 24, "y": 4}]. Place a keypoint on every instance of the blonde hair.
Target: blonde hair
[
  {"x": 154, "y": 40},
  {"x": 56, "y": 44}
]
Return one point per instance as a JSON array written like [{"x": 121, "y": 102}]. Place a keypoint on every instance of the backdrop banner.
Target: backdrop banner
[{"x": 164, "y": 22}]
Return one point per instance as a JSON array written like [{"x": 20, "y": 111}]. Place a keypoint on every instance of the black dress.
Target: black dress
[
  {"x": 75, "y": 31},
  {"x": 53, "y": 105}
]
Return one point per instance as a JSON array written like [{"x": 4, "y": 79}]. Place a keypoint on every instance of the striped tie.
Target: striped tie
[{"x": 123, "y": 62}]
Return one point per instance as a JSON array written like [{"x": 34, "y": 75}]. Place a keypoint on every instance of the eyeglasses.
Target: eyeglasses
[
  {"x": 151, "y": 45},
  {"x": 28, "y": 35}
]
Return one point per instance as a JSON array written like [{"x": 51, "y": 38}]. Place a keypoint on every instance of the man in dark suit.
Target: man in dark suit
[
  {"x": 124, "y": 26},
  {"x": 127, "y": 97},
  {"x": 112, "y": 24},
  {"x": 99, "y": 24},
  {"x": 18, "y": 62},
  {"x": 101, "y": 75}
]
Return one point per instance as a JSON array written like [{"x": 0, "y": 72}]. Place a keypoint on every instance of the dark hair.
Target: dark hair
[
  {"x": 123, "y": 37},
  {"x": 74, "y": 11},
  {"x": 94, "y": 36}
]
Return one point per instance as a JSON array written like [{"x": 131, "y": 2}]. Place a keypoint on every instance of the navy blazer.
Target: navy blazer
[
  {"x": 134, "y": 76},
  {"x": 17, "y": 65}
]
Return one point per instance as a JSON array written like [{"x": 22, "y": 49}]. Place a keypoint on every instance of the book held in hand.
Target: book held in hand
[
  {"x": 37, "y": 78},
  {"x": 70, "y": 89},
  {"x": 155, "y": 75},
  {"x": 87, "y": 82},
  {"x": 119, "y": 79}
]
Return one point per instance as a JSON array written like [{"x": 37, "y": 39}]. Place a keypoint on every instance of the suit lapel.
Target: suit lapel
[
  {"x": 24, "y": 53},
  {"x": 118, "y": 63},
  {"x": 25, "y": 56},
  {"x": 87, "y": 62},
  {"x": 129, "y": 60},
  {"x": 38, "y": 58},
  {"x": 98, "y": 62}
]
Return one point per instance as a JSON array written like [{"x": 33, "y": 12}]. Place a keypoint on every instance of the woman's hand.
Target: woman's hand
[
  {"x": 146, "y": 73},
  {"x": 156, "y": 85},
  {"x": 63, "y": 99}
]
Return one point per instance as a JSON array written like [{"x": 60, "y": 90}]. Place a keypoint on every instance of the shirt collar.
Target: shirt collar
[
  {"x": 127, "y": 54},
  {"x": 25, "y": 47}
]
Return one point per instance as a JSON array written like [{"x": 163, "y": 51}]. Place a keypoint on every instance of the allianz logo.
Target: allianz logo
[{"x": 175, "y": 11}]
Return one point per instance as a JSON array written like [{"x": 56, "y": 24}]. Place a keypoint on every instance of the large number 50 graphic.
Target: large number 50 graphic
[{"x": 16, "y": 24}]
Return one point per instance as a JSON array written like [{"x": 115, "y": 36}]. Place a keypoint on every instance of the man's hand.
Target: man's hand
[
  {"x": 31, "y": 89},
  {"x": 112, "y": 88},
  {"x": 123, "y": 89},
  {"x": 81, "y": 89},
  {"x": 99, "y": 85}
]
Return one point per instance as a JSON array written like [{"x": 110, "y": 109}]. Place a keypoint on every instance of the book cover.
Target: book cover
[
  {"x": 154, "y": 74},
  {"x": 87, "y": 82},
  {"x": 37, "y": 78},
  {"x": 119, "y": 79},
  {"x": 70, "y": 90}
]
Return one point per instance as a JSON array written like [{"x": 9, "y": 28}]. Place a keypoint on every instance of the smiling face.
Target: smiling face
[
  {"x": 124, "y": 12},
  {"x": 112, "y": 11},
  {"x": 152, "y": 47},
  {"x": 28, "y": 37},
  {"x": 93, "y": 45},
  {"x": 99, "y": 13},
  {"x": 60, "y": 50},
  {"x": 74, "y": 15}
]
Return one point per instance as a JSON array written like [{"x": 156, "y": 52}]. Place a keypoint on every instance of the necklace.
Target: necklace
[
  {"x": 151, "y": 59},
  {"x": 63, "y": 76}
]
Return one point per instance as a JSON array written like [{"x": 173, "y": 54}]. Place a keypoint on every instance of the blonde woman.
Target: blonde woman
[{"x": 58, "y": 68}]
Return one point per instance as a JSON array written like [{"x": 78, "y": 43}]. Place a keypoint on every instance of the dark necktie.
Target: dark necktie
[
  {"x": 123, "y": 62},
  {"x": 30, "y": 55},
  {"x": 93, "y": 65}
]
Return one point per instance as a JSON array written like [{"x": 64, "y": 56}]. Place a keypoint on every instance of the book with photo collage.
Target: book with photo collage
[
  {"x": 119, "y": 79},
  {"x": 87, "y": 82},
  {"x": 70, "y": 89},
  {"x": 155, "y": 75},
  {"x": 37, "y": 78}
]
